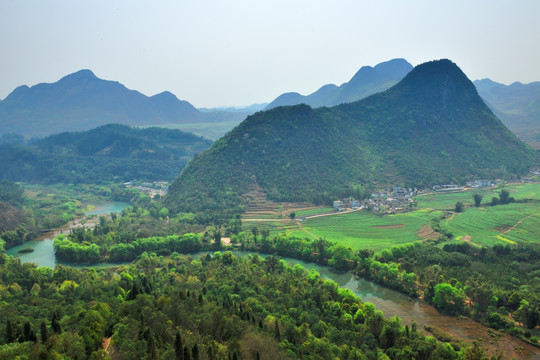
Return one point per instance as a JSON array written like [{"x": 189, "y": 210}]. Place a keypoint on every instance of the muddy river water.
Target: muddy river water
[{"x": 390, "y": 302}]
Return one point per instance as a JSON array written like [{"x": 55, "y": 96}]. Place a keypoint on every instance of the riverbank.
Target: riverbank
[
  {"x": 43, "y": 251},
  {"x": 393, "y": 303}
]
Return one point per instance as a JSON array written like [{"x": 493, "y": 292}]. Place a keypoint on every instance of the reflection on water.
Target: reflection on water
[
  {"x": 393, "y": 303},
  {"x": 43, "y": 254},
  {"x": 107, "y": 207},
  {"x": 390, "y": 302}
]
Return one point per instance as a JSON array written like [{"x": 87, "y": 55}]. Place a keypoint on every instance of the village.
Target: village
[
  {"x": 401, "y": 199},
  {"x": 154, "y": 190}
]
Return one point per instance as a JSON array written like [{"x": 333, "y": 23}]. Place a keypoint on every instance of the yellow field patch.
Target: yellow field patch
[{"x": 506, "y": 240}]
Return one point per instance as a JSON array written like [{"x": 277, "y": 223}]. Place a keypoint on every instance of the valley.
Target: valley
[{"x": 231, "y": 260}]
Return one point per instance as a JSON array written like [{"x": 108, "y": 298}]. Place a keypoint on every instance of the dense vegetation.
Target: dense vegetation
[
  {"x": 109, "y": 153},
  {"x": 126, "y": 236},
  {"x": 28, "y": 210},
  {"x": 218, "y": 307},
  {"x": 430, "y": 128},
  {"x": 498, "y": 286}
]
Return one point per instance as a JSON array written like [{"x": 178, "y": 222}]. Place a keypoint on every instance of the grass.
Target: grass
[
  {"x": 362, "y": 229},
  {"x": 317, "y": 211},
  {"x": 490, "y": 225},
  {"x": 447, "y": 201},
  {"x": 485, "y": 226}
]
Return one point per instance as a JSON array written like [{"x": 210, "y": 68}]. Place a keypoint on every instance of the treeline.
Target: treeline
[
  {"x": 497, "y": 286},
  {"x": 217, "y": 307},
  {"x": 114, "y": 240}
]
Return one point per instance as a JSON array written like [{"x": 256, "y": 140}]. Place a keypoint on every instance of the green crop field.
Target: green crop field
[
  {"x": 316, "y": 211},
  {"x": 363, "y": 229},
  {"x": 447, "y": 201},
  {"x": 489, "y": 225},
  {"x": 485, "y": 226}
]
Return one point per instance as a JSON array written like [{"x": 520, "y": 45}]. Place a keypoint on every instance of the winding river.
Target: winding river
[{"x": 390, "y": 302}]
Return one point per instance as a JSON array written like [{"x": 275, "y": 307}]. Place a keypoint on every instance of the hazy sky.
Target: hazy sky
[{"x": 215, "y": 53}]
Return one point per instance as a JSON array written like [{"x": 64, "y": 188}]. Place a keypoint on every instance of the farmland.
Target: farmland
[{"x": 487, "y": 225}]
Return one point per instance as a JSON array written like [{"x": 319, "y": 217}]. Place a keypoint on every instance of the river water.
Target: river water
[
  {"x": 390, "y": 302},
  {"x": 43, "y": 254},
  {"x": 393, "y": 303}
]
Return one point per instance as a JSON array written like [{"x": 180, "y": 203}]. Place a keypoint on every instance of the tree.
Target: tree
[
  {"x": 178, "y": 346},
  {"x": 44, "y": 332},
  {"x": 449, "y": 298},
  {"x": 195, "y": 352},
  {"x": 477, "y": 200},
  {"x": 29, "y": 334},
  {"x": 459, "y": 207},
  {"x": 10, "y": 332},
  {"x": 277, "y": 333},
  {"x": 292, "y": 215},
  {"x": 504, "y": 197},
  {"x": 55, "y": 325}
]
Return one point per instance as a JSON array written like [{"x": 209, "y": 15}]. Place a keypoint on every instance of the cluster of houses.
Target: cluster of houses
[
  {"x": 533, "y": 176},
  {"x": 381, "y": 202},
  {"x": 152, "y": 189},
  {"x": 400, "y": 199}
]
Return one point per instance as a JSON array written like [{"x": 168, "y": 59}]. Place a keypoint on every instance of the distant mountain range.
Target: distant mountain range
[
  {"x": 81, "y": 101},
  {"x": 517, "y": 105},
  {"x": 430, "y": 128},
  {"x": 367, "y": 81},
  {"x": 108, "y": 153}
]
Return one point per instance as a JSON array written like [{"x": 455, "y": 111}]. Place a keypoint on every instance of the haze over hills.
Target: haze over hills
[
  {"x": 367, "y": 81},
  {"x": 517, "y": 105},
  {"x": 430, "y": 128},
  {"x": 81, "y": 101},
  {"x": 108, "y": 153}
]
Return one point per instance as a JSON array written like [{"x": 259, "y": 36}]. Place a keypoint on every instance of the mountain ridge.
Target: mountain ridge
[
  {"x": 81, "y": 101},
  {"x": 517, "y": 105},
  {"x": 366, "y": 81},
  {"x": 432, "y": 127}
]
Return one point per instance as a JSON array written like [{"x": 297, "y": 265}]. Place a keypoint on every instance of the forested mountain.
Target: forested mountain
[
  {"x": 430, "y": 128},
  {"x": 81, "y": 101},
  {"x": 367, "y": 81},
  {"x": 517, "y": 105},
  {"x": 110, "y": 152}
]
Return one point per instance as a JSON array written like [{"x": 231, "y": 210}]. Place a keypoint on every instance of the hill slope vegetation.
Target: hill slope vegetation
[
  {"x": 108, "y": 153},
  {"x": 430, "y": 128}
]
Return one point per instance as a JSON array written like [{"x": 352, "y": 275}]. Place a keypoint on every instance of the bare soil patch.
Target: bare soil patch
[
  {"x": 467, "y": 238},
  {"x": 389, "y": 226},
  {"x": 426, "y": 232},
  {"x": 503, "y": 228}
]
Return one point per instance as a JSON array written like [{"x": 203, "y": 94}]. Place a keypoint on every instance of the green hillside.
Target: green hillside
[
  {"x": 430, "y": 128},
  {"x": 108, "y": 153}
]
